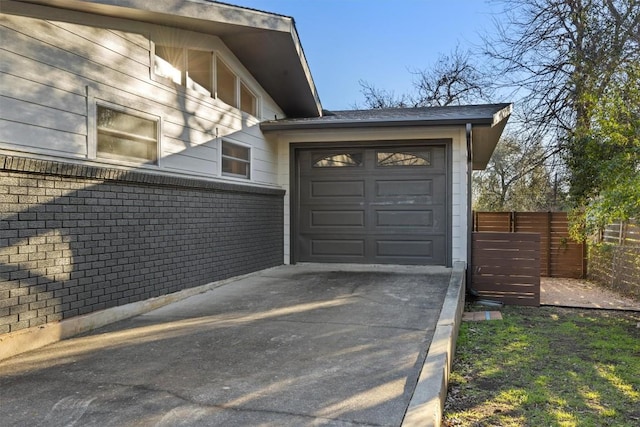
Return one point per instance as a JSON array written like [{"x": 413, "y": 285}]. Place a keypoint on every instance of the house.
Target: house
[{"x": 148, "y": 148}]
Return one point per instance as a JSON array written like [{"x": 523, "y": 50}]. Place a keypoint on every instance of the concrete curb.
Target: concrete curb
[
  {"x": 427, "y": 403},
  {"x": 18, "y": 342}
]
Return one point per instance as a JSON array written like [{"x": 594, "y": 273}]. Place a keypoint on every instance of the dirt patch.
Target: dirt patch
[{"x": 584, "y": 294}]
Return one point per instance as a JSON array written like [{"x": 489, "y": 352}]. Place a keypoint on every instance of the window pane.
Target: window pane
[
  {"x": 124, "y": 136},
  {"x": 225, "y": 84},
  {"x": 339, "y": 160},
  {"x": 200, "y": 69},
  {"x": 248, "y": 101},
  {"x": 418, "y": 158},
  {"x": 236, "y": 160},
  {"x": 235, "y": 168},
  {"x": 125, "y": 123},
  {"x": 169, "y": 62},
  {"x": 236, "y": 151}
]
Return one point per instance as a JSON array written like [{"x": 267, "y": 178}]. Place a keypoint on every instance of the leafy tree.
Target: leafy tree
[
  {"x": 604, "y": 156},
  {"x": 573, "y": 64},
  {"x": 516, "y": 179}
]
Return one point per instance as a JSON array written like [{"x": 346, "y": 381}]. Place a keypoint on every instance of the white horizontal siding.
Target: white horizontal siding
[
  {"x": 193, "y": 160},
  {"x": 18, "y": 87},
  {"x": 46, "y": 66},
  {"x": 34, "y": 139},
  {"x": 16, "y": 110}
]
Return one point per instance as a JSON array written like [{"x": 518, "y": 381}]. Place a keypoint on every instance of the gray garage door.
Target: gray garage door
[{"x": 382, "y": 205}]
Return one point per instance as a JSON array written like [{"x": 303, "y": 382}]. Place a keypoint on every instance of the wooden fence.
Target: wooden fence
[
  {"x": 616, "y": 263},
  {"x": 506, "y": 267},
  {"x": 560, "y": 256},
  {"x": 625, "y": 233}
]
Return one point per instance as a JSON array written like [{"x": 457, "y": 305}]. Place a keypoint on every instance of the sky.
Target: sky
[{"x": 377, "y": 41}]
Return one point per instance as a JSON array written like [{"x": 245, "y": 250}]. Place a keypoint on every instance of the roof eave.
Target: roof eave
[
  {"x": 250, "y": 34},
  {"x": 275, "y": 125}
]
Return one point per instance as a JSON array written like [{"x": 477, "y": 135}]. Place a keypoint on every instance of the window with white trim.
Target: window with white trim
[
  {"x": 236, "y": 160},
  {"x": 226, "y": 83},
  {"x": 207, "y": 73},
  {"x": 248, "y": 101},
  {"x": 124, "y": 136}
]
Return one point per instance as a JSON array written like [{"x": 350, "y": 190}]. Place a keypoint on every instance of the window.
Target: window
[
  {"x": 200, "y": 70},
  {"x": 338, "y": 160},
  {"x": 236, "y": 160},
  {"x": 248, "y": 101},
  {"x": 397, "y": 158},
  {"x": 169, "y": 63},
  {"x": 195, "y": 69},
  {"x": 123, "y": 136},
  {"x": 225, "y": 83}
]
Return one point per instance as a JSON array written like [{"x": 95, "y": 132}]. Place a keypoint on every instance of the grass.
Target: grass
[{"x": 547, "y": 366}]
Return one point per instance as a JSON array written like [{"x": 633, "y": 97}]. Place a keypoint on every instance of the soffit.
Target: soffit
[{"x": 267, "y": 44}]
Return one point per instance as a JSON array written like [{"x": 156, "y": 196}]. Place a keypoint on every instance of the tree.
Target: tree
[
  {"x": 559, "y": 55},
  {"x": 605, "y": 157},
  {"x": 516, "y": 179},
  {"x": 452, "y": 80},
  {"x": 574, "y": 63}
]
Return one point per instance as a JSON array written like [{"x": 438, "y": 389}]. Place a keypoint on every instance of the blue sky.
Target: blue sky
[{"x": 378, "y": 41}]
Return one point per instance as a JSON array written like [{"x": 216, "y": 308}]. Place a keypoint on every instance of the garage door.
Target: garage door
[{"x": 379, "y": 205}]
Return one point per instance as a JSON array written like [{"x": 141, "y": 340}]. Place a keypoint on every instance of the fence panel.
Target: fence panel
[
  {"x": 506, "y": 267},
  {"x": 616, "y": 264},
  {"x": 560, "y": 256},
  {"x": 622, "y": 233}
]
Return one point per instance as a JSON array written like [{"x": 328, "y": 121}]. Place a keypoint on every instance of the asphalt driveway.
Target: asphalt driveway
[{"x": 290, "y": 346}]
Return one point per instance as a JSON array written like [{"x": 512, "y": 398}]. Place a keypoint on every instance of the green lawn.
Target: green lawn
[{"x": 547, "y": 366}]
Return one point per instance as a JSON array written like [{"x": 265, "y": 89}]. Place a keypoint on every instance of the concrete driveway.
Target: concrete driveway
[{"x": 329, "y": 345}]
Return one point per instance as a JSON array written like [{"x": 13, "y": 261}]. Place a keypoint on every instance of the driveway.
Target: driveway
[{"x": 300, "y": 345}]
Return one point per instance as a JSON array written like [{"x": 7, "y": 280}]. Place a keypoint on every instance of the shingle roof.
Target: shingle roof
[{"x": 485, "y": 114}]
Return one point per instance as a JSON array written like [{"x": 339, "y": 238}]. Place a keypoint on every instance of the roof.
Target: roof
[
  {"x": 487, "y": 122},
  {"x": 267, "y": 44}
]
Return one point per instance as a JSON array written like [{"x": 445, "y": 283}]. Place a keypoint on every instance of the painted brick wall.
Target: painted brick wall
[{"x": 76, "y": 239}]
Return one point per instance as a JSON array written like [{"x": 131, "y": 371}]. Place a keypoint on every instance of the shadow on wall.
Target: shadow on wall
[{"x": 77, "y": 239}]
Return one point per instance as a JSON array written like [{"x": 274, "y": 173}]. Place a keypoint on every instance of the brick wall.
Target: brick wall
[{"x": 76, "y": 239}]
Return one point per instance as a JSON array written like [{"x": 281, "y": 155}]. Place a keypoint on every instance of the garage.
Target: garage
[{"x": 379, "y": 203}]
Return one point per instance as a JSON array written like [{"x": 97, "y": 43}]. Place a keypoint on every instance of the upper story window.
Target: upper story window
[
  {"x": 226, "y": 84},
  {"x": 205, "y": 72},
  {"x": 200, "y": 70},
  {"x": 236, "y": 160},
  {"x": 125, "y": 136},
  {"x": 248, "y": 101}
]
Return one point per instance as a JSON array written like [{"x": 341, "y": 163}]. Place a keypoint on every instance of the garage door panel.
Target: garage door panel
[
  {"x": 404, "y": 248},
  {"x": 398, "y": 251},
  {"x": 337, "y": 218},
  {"x": 404, "y": 218},
  {"x": 420, "y": 191},
  {"x": 337, "y": 189},
  {"x": 400, "y": 188},
  {"x": 407, "y": 219},
  {"x": 338, "y": 247}
]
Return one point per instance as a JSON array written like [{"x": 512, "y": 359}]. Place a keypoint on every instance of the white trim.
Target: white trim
[
  {"x": 92, "y": 132},
  {"x": 251, "y": 160},
  {"x": 92, "y": 129}
]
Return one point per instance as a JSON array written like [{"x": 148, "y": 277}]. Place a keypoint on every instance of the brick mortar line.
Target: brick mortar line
[{"x": 50, "y": 167}]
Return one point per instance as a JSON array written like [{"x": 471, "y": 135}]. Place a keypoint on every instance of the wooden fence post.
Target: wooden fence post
[{"x": 549, "y": 263}]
